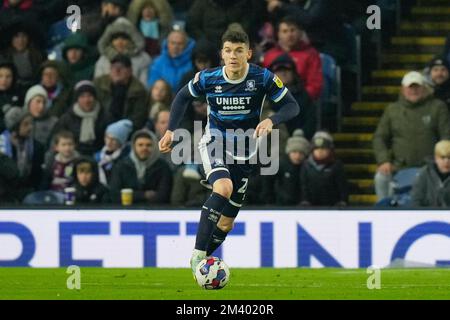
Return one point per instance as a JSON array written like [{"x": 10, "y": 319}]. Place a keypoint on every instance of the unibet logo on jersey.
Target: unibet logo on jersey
[{"x": 278, "y": 82}]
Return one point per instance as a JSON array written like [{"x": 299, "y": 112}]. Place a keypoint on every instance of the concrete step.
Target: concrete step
[
  {"x": 388, "y": 76},
  {"x": 416, "y": 45},
  {"x": 380, "y": 93},
  {"x": 353, "y": 140},
  {"x": 353, "y": 155},
  {"x": 431, "y": 13},
  {"x": 418, "y": 41},
  {"x": 359, "y": 124},
  {"x": 406, "y": 60},
  {"x": 425, "y": 28},
  {"x": 368, "y": 108}
]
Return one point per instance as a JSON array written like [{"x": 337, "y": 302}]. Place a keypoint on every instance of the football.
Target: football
[{"x": 212, "y": 273}]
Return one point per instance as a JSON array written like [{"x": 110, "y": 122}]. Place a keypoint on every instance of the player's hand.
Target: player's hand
[
  {"x": 263, "y": 128},
  {"x": 166, "y": 142}
]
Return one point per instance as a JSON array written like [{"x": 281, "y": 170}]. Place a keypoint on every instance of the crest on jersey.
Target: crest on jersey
[
  {"x": 278, "y": 82},
  {"x": 218, "y": 89},
  {"x": 250, "y": 85}
]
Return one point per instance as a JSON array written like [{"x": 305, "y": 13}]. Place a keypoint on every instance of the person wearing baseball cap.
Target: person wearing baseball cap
[
  {"x": 439, "y": 75},
  {"x": 408, "y": 130}
]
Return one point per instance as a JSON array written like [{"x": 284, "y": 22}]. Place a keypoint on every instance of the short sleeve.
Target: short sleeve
[
  {"x": 274, "y": 86},
  {"x": 197, "y": 85}
]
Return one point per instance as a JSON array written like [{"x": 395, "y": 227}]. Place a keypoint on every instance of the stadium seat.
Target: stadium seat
[{"x": 330, "y": 101}]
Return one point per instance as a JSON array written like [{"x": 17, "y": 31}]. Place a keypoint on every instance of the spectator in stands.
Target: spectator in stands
[
  {"x": 115, "y": 148},
  {"x": 24, "y": 52},
  {"x": 12, "y": 10},
  {"x": 121, "y": 94},
  {"x": 78, "y": 58},
  {"x": 432, "y": 186},
  {"x": 96, "y": 19},
  {"x": 54, "y": 79},
  {"x": 9, "y": 94},
  {"x": 174, "y": 61},
  {"x": 17, "y": 143},
  {"x": 121, "y": 37},
  {"x": 143, "y": 171},
  {"x": 58, "y": 170},
  {"x": 284, "y": 67},
  {"x": 438, "y": 71},
  {"x": 160, "y": 99},
  {"x": 416, "y": 116},
  {"x": 322, "y": 20},
  {"x": 9, "y": 177},
  {"x": 322, "y": 178},
  {"x": 87, "y": 119},
  {"x": 36, "y": 102},
  {"x": 210, "y": 18},
  {"x": 154, "y": 19},
  {"x": 88, "y": 189},
  {"x": 187, "y": 190},
  {"x": 305, "y": 56},
  {"x": 288, "y": 176}
]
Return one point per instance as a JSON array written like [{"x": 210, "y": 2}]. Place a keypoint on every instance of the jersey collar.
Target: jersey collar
[{"x": 238, "y": 80}]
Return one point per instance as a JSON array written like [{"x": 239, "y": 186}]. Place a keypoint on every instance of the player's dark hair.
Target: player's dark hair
[{"x": 235, "y": 36}]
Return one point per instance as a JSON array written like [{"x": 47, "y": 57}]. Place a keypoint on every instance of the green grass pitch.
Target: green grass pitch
[{"x": 245, "y": 284}]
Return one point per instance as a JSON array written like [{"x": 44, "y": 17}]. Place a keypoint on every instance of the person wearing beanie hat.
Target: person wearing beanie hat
[
  {"x": 17, "y": 143},
  {"x": 86, "y": 119},
  {"x": 143, "y": 171},
  {"x": 115, "y": 148},
  {"x": 323, "y": 180},
  {"x": 36, "y": 103},
  {"x": 439, "y": 73},
  {"x": 288, "y": 176}
]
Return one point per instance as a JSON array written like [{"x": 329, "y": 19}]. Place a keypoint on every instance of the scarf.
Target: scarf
[
  {"x": 88, "y": 119},
  {"x": 141, "y": 166},
  {"x": 150, "y": 29},
  {"x": 105, "y": 162}
]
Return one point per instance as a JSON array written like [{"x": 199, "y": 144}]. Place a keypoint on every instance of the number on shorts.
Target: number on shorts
[{"x": 244, "y": 186}]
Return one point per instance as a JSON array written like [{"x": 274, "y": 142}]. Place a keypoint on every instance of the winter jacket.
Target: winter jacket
[
  {"x": 323, "y": 185},
  {"x": 164, "y": 13},
  {"x": 71, "y": 122},
  {"x": 308, "y": 63},
  {"x": 429, "y": 190},
  {"x": 171, "y": 69},
  {"x": 9, "y": 178},
  {"x": 140, "y": 60},
  {"x": 286, "y": 179},
  {"x": 157, "y": 177},
  {"x": 135, "y": 107},
  {"x": 443, "y": 92},
  {"x": 83, "y": 69},
  {"x": 407, "y": 132},
  {"x": 187, "y": 190}
]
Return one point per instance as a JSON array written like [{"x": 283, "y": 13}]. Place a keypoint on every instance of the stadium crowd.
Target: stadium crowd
[{"x": 85, "y": 108}]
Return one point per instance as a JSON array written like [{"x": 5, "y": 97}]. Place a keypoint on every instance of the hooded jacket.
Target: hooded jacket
[
  {"x": 429, "y": 190},
  {"x": 94, "y": 192},
  {"x": 140, "y": 60},
  {"x": 157, "y": 177},
  {"x": 424, "y": 123},
  {"x": 164, "y": 13},
  {"x": 171, "y": 69},
  {"x": 83, "y": 69}
]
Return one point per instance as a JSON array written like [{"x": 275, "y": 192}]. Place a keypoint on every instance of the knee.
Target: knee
[{"x": 224, "y": 187}]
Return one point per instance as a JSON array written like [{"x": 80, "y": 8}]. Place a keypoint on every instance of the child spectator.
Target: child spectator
[
  {"x": 288, "y": 176},
  {"x": 143, "y": 171},
  {"x": 58, "y": 170},
  {"x": 160, "y": 98},
  {"x": 187, "y": 190},
  {"x": 43, "y": 123},
  {"x": 432, "y": 186},
  {"x": 88, "y": 189},
  {"x": 115, "y": 148},
  {"x": 17, "y": 143},
  {"x": 322, "y": 177}
]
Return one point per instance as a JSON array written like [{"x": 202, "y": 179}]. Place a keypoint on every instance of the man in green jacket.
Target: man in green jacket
[{"x": 408, "y": 131}]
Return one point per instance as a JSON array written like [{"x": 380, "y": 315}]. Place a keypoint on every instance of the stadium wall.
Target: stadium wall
[{"x": 261, "y": 238}]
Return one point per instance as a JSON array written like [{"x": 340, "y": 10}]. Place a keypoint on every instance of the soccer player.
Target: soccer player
[{"x": 235, "y": 94}]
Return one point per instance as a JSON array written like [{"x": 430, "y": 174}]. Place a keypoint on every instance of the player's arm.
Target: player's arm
[
  {"x": 179, "y": 105},
  {"x": 288, "y": 109}
]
